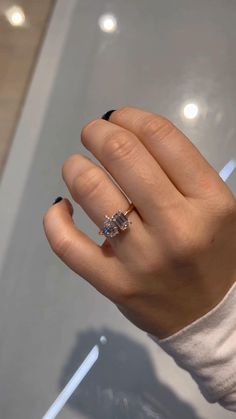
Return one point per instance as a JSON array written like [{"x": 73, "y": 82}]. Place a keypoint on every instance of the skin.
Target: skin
[{"x": 177, "y": 260}]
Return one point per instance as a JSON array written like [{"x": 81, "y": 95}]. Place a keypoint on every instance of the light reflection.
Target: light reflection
[
  {"x": 191, "y": 110},
  {"x": 107, "y": 23},
  {"x": 103, "y": 340},
  {"x": 227, "y": 170},
  {"x": 15, "y": 15},
  {"x": 75, "y": 380}
]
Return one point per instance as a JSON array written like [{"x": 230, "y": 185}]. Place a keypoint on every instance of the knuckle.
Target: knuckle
[
  {"x": 123, "y": 110},
  {"x": 222, "y": 206},
  {"x": 45, "y": 221},
  {"x": 183, "y": 244},
  {"x": 86, "y": 128},
  {"x": 125, "y": 294},
  {"x": 67, "y": 164},
  {"x": 192, "y": 241},
  {"x": 187, "y": 247},
  {"x": 47, "y": 217},
  {"x": 232, "y": 208},
  {"x": 228, "y": 207},
  {"x": 183, "y": 255},
  {"x": 119, "y": 146},
  {"x": 88, "y": 184},
  {"x": 157, "y": 127},
  {"x": 154, "y": 264},
  {"x": 61, "y": 246}
]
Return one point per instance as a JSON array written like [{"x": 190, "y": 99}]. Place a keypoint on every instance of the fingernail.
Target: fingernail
[
  {"x": 57, "y": 200},
  {"x": 107, "y": 115}
]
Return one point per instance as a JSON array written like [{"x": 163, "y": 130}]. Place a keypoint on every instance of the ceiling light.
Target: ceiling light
[
  {"x": 107, "y": 23},
  {"x": 191, "y": 111},
  {"x": 15, "y": 15}
]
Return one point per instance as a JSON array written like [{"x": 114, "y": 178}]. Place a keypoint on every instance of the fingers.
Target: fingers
[
  {"x": 132, "y": 166},
  {"x": 95, "y": 264},
  {"x": 183, "y": 163},
  {"x": 93, "y": 189}
]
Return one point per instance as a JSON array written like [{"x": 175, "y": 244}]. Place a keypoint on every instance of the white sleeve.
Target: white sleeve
[{"x": 206, "y": 349}]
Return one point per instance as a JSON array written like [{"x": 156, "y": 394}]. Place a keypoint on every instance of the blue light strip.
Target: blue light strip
[
  {"x": 227, "y": 170},
  {"x": 72, "y": 384}
]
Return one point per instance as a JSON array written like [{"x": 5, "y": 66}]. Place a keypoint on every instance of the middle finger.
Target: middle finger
[{"x": 132, "y": 167}]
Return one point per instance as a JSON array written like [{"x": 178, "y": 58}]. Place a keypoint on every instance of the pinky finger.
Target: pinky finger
[{"x": 98, "y": 265}]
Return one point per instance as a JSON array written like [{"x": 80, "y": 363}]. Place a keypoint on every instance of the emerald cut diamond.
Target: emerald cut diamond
[{"x": 121, "y": 220}]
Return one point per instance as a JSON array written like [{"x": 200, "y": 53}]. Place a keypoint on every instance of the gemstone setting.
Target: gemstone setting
[
  {"x": 121, "y": 220},
  {"x": 110, "y": 229},
  {"x": 118, "y": 221}
]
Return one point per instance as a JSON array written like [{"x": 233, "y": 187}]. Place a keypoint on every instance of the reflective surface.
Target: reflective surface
[
  {"x": 172, "y": 58},
  {"x": 22, "y": 25}
]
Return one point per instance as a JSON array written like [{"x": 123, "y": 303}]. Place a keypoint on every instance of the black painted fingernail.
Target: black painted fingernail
[
  {"x": 57, "y": 200},
  {"x": 107, "y": 115}
]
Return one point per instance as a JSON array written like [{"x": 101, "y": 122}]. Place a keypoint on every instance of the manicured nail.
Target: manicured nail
[
  {"x": 107, "y": 115},
  {"x": 57, "y": 200}
]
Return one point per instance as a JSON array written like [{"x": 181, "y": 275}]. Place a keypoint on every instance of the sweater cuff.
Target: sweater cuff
[{"x": 206, "y": 348}]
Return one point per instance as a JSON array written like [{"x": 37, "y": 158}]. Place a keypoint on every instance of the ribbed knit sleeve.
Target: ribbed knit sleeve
[{"x": 207, "y": 350}]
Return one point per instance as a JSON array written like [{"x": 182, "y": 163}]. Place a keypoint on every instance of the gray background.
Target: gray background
[{"x": 163, "y": 55}]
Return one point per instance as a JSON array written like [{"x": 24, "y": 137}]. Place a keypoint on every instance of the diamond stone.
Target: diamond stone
[
  {"x": 121, "y": 220},
  {"x": 110, "y": 228}
]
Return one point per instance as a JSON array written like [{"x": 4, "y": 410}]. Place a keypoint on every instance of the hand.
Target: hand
[{"x": 177, "y": 259}]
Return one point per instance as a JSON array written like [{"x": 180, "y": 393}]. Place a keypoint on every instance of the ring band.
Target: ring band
[{"x": 116, "y": 223}]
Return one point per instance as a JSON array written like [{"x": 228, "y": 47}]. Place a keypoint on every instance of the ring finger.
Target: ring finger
[
  {"x": 91, "y": 187},
  {"x": 133, "y": 167}
]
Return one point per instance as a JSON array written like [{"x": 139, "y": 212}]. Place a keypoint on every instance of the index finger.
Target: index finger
[{"x": 179, "y": 158}]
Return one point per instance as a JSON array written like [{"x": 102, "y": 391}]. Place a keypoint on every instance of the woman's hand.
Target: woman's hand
[{"x": 177, "y": 259}]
